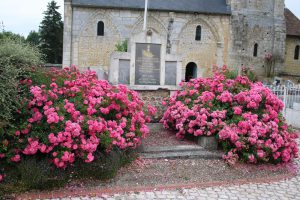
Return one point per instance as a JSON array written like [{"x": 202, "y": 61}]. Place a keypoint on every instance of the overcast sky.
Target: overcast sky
[{"x": 22, "y": 16}]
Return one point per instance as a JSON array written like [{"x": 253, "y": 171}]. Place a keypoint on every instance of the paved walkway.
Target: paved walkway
[{"x": 287, "y": 189}]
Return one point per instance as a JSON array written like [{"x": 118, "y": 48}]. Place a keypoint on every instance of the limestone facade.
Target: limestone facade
[
  {"x": 292, "y": 53},
  {"x": 225, "y": 38},
  {"x": 292, "y": 65}
]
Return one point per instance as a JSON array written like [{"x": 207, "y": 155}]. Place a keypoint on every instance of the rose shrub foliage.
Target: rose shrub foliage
[
  {"x": 244, "y": 116},
  {"x": 72, "y": 116}
]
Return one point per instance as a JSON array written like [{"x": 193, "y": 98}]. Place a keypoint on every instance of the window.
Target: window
[
  {"x": 198, "y": 33},
  {"x": 296, "y": 56},
  {"x": 255, "y": 50},
  {"x": 100, "y": 28}
]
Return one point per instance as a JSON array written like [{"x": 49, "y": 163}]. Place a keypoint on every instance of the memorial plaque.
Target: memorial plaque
[
  {"x": 147, "y": 64},
  {"x": 124, "y": 71},
  {"x": 171, "y": 73}
]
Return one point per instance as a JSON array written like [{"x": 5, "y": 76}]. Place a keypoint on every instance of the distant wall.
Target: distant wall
[{"x": 291, "y": 66}]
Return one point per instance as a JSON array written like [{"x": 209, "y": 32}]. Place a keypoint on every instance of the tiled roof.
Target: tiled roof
[
  {"x": 186, "y": 6},
  {"x": 292, "y": 24}
]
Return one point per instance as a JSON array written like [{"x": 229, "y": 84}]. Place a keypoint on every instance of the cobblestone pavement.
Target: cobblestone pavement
[{"x": 287, "y": 189}]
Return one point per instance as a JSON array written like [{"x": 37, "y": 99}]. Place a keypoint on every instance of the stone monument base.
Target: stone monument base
[
  {"x": 155, "y": 98},
  {"x": 209, "y": 143}
]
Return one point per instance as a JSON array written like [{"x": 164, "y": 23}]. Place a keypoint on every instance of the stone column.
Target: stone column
[{"x": 67, "y": 46}]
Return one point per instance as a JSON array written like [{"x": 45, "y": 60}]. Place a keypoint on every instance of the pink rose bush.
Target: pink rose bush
[
  {"x": 72, "y": 117},
  {"x": 244, "y": 116}
]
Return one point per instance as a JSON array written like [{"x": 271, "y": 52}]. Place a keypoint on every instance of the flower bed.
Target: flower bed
[
  {"x": 71, "y": 117},
  {"x": 244, "y": 116}
]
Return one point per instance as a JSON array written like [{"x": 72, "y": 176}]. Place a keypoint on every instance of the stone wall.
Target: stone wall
[
  {"x": 257, "y": 22},
  {"x": 85, "y": 49},
  {"x": 155, "y": 98},
  {"x": 291, "y": 66},
  {"x": 225, "y": 39},
  {"x": 211, "y": 50}
]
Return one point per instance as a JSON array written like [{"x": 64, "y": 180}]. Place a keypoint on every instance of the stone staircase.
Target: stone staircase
[{"x": 162, "y": 144}]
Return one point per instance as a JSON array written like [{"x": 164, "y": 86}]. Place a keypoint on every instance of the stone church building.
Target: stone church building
[{"x": 183, "y": 38}]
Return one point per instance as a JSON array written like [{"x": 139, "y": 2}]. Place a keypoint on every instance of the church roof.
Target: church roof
[
  {"x": 185, "y": 6},
  {"x": 292, "y": 24}
]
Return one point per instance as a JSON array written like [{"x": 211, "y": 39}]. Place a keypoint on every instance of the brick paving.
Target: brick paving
[{"x": 286, "y": 189}]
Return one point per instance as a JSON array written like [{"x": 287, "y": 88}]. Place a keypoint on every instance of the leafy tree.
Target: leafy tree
[
  {"x": 16, "y": 59},
  {"x": 12, "y": 36},
  {"x": 33, "y": 38},
  {"x": 51, "y": 34}
]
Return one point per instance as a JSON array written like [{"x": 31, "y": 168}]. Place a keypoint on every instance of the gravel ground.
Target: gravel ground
[{"x": 169, "y": 172}]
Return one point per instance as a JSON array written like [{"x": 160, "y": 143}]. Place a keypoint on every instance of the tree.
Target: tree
[
  {"x": 16, "y": 60},
  {"x": 33, "y": 38},
  {"x": 12, "y": 36},
  {"x": 51, "y": 34}
]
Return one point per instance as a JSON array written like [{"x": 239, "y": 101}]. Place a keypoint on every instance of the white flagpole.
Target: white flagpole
[{"x": 145, "y": 15}]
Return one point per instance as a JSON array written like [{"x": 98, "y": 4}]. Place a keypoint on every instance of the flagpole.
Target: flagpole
[{"x": 145, "y": 15}]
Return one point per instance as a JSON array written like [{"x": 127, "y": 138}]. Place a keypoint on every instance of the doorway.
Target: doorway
[{"x": 190, "y": 71}]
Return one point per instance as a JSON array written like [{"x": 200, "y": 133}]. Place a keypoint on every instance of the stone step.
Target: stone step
[
  {"x": 200, "y": 154},
  {"x": 156, "y": 127},
  {"x": 180, "y": 151},
  {"x": 181, "y": 148}
]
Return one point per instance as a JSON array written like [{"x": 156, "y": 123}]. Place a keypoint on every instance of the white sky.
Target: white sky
[{"x": 22, "y": 16}]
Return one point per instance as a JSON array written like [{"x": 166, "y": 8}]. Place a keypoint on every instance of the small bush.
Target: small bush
[
  {"x": 31, "y": 174},
  {"x": 245, "y": 71},
  {"x": 105, "y": 166},
  {"x": 122, "y": 46},
  {"x": 40, "y": 174}
]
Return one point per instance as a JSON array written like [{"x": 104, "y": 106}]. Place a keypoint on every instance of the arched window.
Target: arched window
[
  {"x": 190, "y": 71},
  {"x": 255, "y": 50},
  {"x": 296, "y": 56},
  {"x": 198, "y": 33},
  {"x": 100, "y": 28}
]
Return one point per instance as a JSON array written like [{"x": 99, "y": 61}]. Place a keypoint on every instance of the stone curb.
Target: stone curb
[{"x": 100, "y": 192}]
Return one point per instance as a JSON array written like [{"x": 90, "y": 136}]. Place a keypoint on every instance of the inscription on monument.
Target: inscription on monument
[{"x": 147, "y": 64}]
